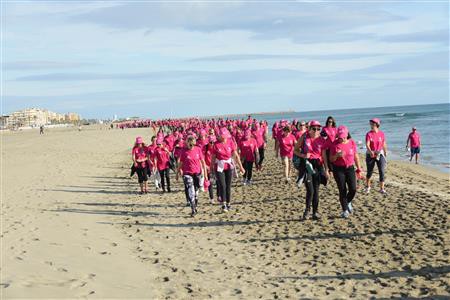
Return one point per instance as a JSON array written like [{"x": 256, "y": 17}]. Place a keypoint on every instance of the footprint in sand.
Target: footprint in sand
[{"x": 62, "y": 270}]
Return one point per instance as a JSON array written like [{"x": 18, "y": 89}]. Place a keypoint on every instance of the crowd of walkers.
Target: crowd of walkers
[{"x": 209, "y": 154}]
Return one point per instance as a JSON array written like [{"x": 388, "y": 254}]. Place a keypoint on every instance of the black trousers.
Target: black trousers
[
  {"x": 381, "y": 165},
  {"x": 346, "y": 183},
  {"x": 261, "y": 155},
  {"x": 312, "y": 184},
  {"x": 211, "y": 188},
  {"x": 224, "y": 184},
  {"x": 142, "y": 174},
  {"x": 248, "y": 166},
  {"x": 164, "y": 174}
]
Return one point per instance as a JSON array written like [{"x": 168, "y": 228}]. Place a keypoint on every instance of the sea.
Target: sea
[{"x": 432, "y": 122}]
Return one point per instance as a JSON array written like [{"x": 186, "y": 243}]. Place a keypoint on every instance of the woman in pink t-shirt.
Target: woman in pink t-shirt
[
  {"x": 208, "y": 155},
  {"x": 248, "y": 148},
  {"x": 161, "y": 163},
  {"x": 414, "y": 143},
  {"x": 191, "y": 166},
  {"x": 344, "y": 157},
  {"x": 312, "y": 147},
  {"x": 285, "y": 145},
  {"x": 139, "y": 154},
  {"x": 376, "y": 153},
  {"x": 223, "y": 160}
]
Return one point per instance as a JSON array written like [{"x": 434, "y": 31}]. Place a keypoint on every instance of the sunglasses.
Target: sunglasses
[{"x": 315, "y": 128}]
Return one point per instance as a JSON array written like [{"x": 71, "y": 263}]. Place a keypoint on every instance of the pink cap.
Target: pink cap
[
  {"x": 159, "y": 140},
  {"x": 139, "y": 140},
  {"x": 224, "y": 133},
  {"x": 202, "y": 132},
  {"x": 314, "y": 123},
  {"x": 376, "y": 120},
  {"x": 342, "y": 132}
]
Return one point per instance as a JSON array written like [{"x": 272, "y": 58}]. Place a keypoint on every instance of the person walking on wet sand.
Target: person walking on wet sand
[
  {"x": 140, "y": 159},
  {"x": 376, "y": 153},
  {"x": 191, "y": 167},
  {"x": 162, "y": 163},
  {"x": 414, "y": 143},
  {"x": 344, "y": 157},
  {"x": 312, "y": 147},
  {"x": 41, "y": 129}
]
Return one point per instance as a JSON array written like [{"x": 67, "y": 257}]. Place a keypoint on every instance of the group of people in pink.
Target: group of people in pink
[{"x": 208, "y": 154}]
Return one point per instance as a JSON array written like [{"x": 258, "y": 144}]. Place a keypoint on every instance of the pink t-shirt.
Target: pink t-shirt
[
  {"x": 191, "y": 160},
  {"x": 224, "y": 151},
  {"x": 349, "y": 149},
  {"x": 248, "y": 148},
  {"x": 151, "y": 152},
  {"x": 315, "y": 147},
  {"x": 299, "y": 133},
  {"x": 259, "y": 136},
  {"x": 376, "y": 140},
  {"x": 287, "y": 144},
  {"x": 414, "y": 139},
  {"x": 331, "y": 133},
  {"x": 207, "y": 154},
  {"x": 140, "y": 153},
  {"x": 162, "y": 159}
]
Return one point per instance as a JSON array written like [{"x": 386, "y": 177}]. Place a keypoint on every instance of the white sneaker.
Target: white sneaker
[
  {"x": 345, "y": 214},
  {"x": 367, "y": 190},
  {"x": 244, "y": 182},
  {"x": 350, "y": 207},
  {"x": 249, "y": 182},
  {"x": 225, "y": 208},
  {"x": 383, "y": 191}
]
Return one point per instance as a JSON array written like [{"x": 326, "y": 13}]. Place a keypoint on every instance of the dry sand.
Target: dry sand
[{"x": 74, "y": 227}]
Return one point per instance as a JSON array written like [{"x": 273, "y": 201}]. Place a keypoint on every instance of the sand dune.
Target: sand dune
[{"x": 73, "y": 226}]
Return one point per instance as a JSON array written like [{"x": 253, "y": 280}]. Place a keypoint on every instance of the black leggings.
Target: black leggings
[
  {"x": 248, "y": 166},
  {"x": 211, "y": 188},
  {"x": 224, "y": 184},
  {"x": 381, "y": 165},
  {"x": 261, "y": 155},
  {"x": 312, "y": 184},
  {"x": 164, "y": 174},
  {"x": 142, "y": 174},
  {"x": 346, "y": 183}
]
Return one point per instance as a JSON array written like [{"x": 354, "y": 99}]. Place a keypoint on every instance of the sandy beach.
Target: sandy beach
[{"x": 73, "y": 226}]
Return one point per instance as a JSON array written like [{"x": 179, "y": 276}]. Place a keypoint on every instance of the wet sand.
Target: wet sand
[{"x": 73, "y": 226}]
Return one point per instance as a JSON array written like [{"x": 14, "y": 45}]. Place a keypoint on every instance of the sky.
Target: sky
[{"x": 196, "y": 58}]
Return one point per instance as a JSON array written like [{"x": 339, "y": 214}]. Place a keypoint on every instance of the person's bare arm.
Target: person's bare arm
[{"x": 238, "y": 160}]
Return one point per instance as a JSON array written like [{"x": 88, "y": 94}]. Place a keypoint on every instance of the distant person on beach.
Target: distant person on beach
[
  {"x": 286, "y": 143},
  {"x": 41, "y": 129},
  {"x": 260, "y": 135},
  {"x": 224, "y": 159},
  {"x": 248, "y": 147},
  {"x": 344, "y": 157},
  {"x": 414, "y": 143},
  {"x": 139, "y": 155},
  {"x": 312, "y": 147},
  {"x": 329, "y": 131},
  {"x": 376, "y": 153},
  {"x": 208, "y": 155},
  {"x": 191, "y": 167},
  {"x": 161, "y": 163}
]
